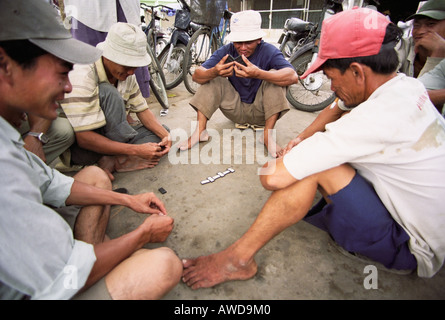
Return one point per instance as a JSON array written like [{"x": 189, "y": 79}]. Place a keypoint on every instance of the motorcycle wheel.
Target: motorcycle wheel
[
  {"x": 157, "y": 80},
  {"x": 312, "y": 94},
  {"x": 199, "y": 49},
  {"x": 161, "y": 43},
  {"x": 172, "y": 71}
]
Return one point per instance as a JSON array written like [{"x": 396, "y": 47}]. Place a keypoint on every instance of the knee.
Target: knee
[
  {"x": 95, "y": 176},
  {"x": 62, "y": 131},
  {"x": 171, "y": 266}
]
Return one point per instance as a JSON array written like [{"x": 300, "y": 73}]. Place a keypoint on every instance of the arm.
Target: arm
[
  {"x": 91, "y": 140},
  {"x": 155, "y": 228},
  {"x": 283, "y": 77},
  {"x": 150, "y": 122},
  {"x": 36, "y": 124},
  {"x": 221, "y": 69},
  {"x": 328, "y": 115},
  {"x": 109, "y": 254},
  {"x": 437, "y": 97}
]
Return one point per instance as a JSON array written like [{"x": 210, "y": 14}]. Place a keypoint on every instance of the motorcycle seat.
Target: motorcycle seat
[{"x": 298, "y": 25}]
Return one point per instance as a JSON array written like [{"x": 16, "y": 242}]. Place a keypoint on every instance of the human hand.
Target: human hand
[
  {"x": 150, "y": 150},
  {"x": 156, "y": 228},
  {"x": 432, "y": 42},
  {"x": 246, "y": 71},
  {"x": 290, "y": 145},
  {"x": 224, "y": 68},
  {"x": 165, "y": 144},
  {"x": 147, "y": 203}
]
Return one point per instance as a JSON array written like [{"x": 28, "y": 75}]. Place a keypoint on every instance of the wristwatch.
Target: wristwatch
[{"x": 39, "y": 135}]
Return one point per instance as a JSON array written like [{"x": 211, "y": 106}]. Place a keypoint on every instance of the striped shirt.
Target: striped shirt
[{"x": 82, "y": 105}]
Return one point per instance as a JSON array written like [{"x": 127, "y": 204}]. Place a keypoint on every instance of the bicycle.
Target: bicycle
[
  {"x": 157, "y": 79},
  {"x": 201, "y": 46},
  {"x": 153, "y": 32}
]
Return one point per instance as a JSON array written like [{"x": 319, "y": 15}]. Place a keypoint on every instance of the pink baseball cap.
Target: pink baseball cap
[{"x": 352, "y": 33}]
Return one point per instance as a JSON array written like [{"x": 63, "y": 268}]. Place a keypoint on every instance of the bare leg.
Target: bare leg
[
  {"x": 200, "y": 134},
  {"x": 284, "y": 208},
  {"x": 274, "y": 149},
  {"x": 147, "y": 274},
  {"x": 112, "y": 164},
  {"x": 92, "y": 221}
]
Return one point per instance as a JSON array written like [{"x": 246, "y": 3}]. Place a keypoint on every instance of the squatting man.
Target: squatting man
[{"x": 252, "y": 94}]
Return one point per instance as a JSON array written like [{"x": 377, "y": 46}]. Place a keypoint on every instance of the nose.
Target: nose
[
  {"x": 68, "y": 87},
  {"x": 131, "y": 71}
]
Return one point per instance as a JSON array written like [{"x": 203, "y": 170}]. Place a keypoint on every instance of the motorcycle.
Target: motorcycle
[
  {"x": 314, "y": 93},
  {"x": 295, "y": 32},
  {"x": 172, "y": 55}
]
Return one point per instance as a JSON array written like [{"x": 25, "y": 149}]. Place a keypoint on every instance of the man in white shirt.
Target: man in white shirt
[
  {"x": 379, "y": 166},
  {"x": 40, "y": 258}
]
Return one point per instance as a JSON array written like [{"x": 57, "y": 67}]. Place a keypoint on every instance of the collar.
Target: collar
[
  {"x": 100, "y": 70},
  {"x": 10, "y": 132}
]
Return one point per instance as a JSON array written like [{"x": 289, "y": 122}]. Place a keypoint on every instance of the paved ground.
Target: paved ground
[{"x": 300, "y": 263}]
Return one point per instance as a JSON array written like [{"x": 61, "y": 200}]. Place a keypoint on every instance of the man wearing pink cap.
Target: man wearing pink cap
[{"x": 379, "y": 166}]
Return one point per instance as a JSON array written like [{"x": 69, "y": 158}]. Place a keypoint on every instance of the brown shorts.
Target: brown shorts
[{"x": 220, "y": 94}]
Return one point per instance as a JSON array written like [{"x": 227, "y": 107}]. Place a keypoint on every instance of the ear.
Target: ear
[
  {"x": 358, "y": 72},
  {"x": 5, "y": 65}
]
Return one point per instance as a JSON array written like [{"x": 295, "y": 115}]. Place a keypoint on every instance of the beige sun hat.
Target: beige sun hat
[
  {"x": 245, "y": 26},
  {"x": 126, "y": 45}
]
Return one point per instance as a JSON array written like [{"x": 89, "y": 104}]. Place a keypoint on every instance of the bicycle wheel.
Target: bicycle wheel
[
  {"x": 157, "y": 80},
  {"x": 312, "y": 94},
  {"x": 173, "y": 69},
  {"x": 199, "y": 49}
]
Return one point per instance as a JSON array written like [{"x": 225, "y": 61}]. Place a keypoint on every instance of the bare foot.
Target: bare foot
[
  {"x": 132, "y": 163},
  {"x": 208, "y": 271},
  {"x": 204, "y": 136}
]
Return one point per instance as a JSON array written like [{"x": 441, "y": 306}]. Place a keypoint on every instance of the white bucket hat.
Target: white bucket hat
[
  {"x": 245, "y": 26},
  {"x": 126, "y": 45}
]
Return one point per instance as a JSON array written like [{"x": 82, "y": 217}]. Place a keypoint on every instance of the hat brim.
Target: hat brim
[
  {"x": 69, "y": 49},
  {"x": 245, "y": 36},
  {"x": 126, "y": 60},
  {"x": 433, "y": 14},
  {"x": 315, "y": 67}
]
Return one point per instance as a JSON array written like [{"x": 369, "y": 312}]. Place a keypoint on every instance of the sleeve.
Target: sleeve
[
  {"x": 136, "y": 102},
  {"x": 82, "y": 105},
  {"x": 434, "y": 79},
  {"x": 216, "y": 57},
  {"x": 37, "y": 243}
]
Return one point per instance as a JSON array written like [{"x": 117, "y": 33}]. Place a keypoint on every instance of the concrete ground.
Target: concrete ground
[{"x": 299, "y": 263}]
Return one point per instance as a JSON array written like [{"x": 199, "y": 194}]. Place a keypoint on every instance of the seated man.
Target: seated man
[
  {"x": 40, "y": 258},
  {"x": 253, "y": 94},
  {"x": 103, "y": 93},
  {"x": 379, "y": 166},
  {"x": 422, "y": 51}
]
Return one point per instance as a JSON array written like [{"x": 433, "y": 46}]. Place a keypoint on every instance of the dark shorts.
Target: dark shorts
[{"x": 359, "y": 222}]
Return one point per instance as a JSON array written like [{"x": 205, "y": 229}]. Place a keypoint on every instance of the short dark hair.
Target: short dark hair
[
  {"x": 23, "y": 52},
  {"x": 385, "y": 62}
]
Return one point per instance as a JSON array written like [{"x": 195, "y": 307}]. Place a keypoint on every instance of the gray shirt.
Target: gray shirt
[{"x": 39, "y": 257}]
